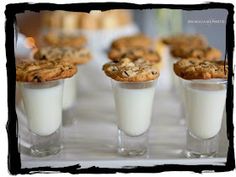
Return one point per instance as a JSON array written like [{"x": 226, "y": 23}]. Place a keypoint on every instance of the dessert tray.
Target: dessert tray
[{"x": 91, "y": 140}]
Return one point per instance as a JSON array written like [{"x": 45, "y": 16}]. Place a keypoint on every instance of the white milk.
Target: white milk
[
  {"x": 69, "y": 92},
  {"x": 205, "y": 108},
  {"x": 43, "y": 108},
  {"x": 175, "y": 79},
  {"x": 134, "y": 109}
]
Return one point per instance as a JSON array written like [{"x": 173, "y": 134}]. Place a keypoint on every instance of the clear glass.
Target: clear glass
[
  {"x": 178, "y": 90},
  {"x": 205, "y": 103},
  {"x": 46, "y": 145},
  {"x": 132, "y": 145},
  {"x": 69, "y": 92},
  {"x": 43, "y": 109},
  {"x": 199, "y": 148},
  {"x": 69, "y": 100},
  {"x": 175, "y": 79},
  {"x": 133, "y": 103}
]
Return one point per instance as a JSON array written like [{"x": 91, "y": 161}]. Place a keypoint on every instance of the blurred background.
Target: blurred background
[
  {"x": 211, "y": 23},
  {"x": 155, "y": 23},
  {"x": 101, "y": 28}
]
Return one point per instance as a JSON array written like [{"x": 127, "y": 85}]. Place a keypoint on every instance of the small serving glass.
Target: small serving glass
[
  {"x": 133, "y": 101},
  {"x": 43, "y": 109},
  {"x": 205, "y": 103}
]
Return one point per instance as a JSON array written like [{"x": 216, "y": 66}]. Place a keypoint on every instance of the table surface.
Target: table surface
[{"x": 92, "y": 140}]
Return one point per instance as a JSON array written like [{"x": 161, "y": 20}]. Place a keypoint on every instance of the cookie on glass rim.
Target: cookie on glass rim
[
  {"x": 194, "y": 68},
  {"x": 42, "y": 71},
  {"x": 127, "y": 70},
  {"x": 115, "y": 54},
  {"x": 69, "y": 54},
  {"x": 137, "y": 40},
  {"x": 206, "y": 53},
  {"x": 64, "y": 39},
  {"x": 193, "y": 40}
]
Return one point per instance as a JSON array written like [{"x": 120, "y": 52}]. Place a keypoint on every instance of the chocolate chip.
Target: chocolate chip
[
  {"x": 125, "y": 73},
  {"x": 114, "y": 68},
  {"x": 154, "y": 72},
  {"x": 37, "y": 78},
  {"x": 191, "y": 62},
  {"x": 130, "y": 73},
  {"x": 43, "y": 57}
]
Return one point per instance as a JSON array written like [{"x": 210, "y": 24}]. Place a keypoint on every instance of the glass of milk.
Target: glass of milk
[
  {"x": 69, "y": 100},
  {"x": 178, "y": 89},
  {"x": 69, "y": 93},
  {"x": 205, "y": 103},
  {"x": 133, "y": 103},
  {"x": 43, "y": 109}
]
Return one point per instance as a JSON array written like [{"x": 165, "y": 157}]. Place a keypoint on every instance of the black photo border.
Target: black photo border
[{"x": 14, "y": 160}]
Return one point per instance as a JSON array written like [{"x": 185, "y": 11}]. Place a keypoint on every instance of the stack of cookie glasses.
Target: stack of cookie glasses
[
  {"x": 102, "y": 26},
  {"x": 135, "y": 47},
  {"x": 204, "y": 85},
  {"x": 68, "y": 48},
  {"x": 180, "y": 46},
  {"x": 187, "y": 46},
  {"x": 133, "y": 72},
  {"x": 41, "y": 85}
]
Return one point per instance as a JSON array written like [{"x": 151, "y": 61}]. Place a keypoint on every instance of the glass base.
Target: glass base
[
  {"x": 192, "y": 154},
  {"x": 46, "y": 145},
  {"x": 131, "y": 152},
  {"x": 52, "y": 150},
  {"x": 201, "y": 148},
  {"x": 132, "y": 145}
]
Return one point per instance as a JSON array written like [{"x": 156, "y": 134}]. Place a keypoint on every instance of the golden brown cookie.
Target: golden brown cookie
[
  {"x": 193, "y": 40},
  {"x": 69, "y": 54},
  {"x": 138, "y": 40},
  {"x": 62, "y": 40},
  {"x": 41, "y": 71},
  {"x": 131, "y": 71},
  {"x": 200, "y": 69},
  {"x": 116, "y": 54},
  {"x": 208, "y": 53}
]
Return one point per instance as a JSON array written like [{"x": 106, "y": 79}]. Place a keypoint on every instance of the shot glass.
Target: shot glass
[
  {"x": 69, "y": 100},
  {"x": 175, "y": 81},
  {"x": 178, "y": 90},
  {"x": 205, "y": 103},
  {"x": 133, "y": 103},
  {"x": 43, "y": 109},
  {"x": 69, "y": 92}
]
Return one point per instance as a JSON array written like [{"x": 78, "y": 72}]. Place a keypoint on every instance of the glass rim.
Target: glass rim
[
  {"x": 140, "y": 82},
  {"x": 206, "y": 81},
  {"x": 39, "y": 83}
]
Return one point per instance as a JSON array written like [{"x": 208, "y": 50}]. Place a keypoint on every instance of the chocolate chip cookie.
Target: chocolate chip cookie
[
  {"x": 69, "y": 54},
  {"x": 131, "y": 71},
  {"x": 115, "y": 54},
  {"x": 62, "y": 39},
  {"x": 200, "y": 69},
  {"x": 206, "y": 53},
  {"x": 41, "y": 71},
  {"x": 138, "y": 40},
  {"x": 194, "y": 40}
]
